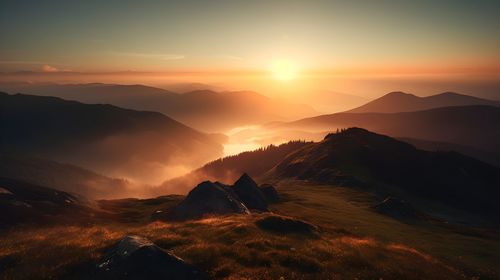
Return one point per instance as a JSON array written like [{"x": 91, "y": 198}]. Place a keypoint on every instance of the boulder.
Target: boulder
[
  {"x": 398, "y": 209},
  {"x": 135, "y": 257},
  {"x": 248, "y": 191},
  {"x": 206, "y": 199},
  {"x": 270, "y": 193},
  {"x": 285, "y": 225}
]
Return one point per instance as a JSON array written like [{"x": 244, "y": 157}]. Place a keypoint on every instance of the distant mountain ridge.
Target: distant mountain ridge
[
  {"x": 476, "y": 126},
  {"x": 395, "y": 102},
  {"x": 111, "y": 140},
  {"x": 206, "y": 110}
]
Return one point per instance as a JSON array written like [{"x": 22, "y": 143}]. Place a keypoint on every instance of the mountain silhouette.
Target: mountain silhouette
[
  {"x": 395, "y": 102},
  {"x": 374, "y": 159},
  {"x": 108, "y": 139},
  {"x": 63, "y": 177},
  {"x": 206, "y": 110},
  {"x": 474, "y": 126}
]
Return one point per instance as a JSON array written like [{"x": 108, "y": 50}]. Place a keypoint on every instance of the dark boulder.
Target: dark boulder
[
  {"x": 248, "y": 191},
  {"x": 285, "y": 225},
  {"x": 206, "y": 199},
  {"x": 398, "y": 209},
  {"x": 135, "y": 257},
  {"x": 270, "y": 193}
]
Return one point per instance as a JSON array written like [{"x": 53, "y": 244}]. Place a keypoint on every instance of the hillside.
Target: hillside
[
  {"x": 110, "y": 140},
  {"x": 488, "y": 157},
  {"x": 63, "y": 177},
  {"x": 362, "y": 158},
  {"x": 228, "y": 169},
  {"x": 206, "y": 110},
  {"x": 395, "y": 102},
  {"x": 475, "y": 126},
  {"x": 324, "y": 223},
  {"x": 29, "y": 203}
]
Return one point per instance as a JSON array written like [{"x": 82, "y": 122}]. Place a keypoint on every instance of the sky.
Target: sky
[{"x": 358, "y": 39}]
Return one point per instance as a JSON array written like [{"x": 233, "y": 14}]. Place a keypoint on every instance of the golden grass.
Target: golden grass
[
  {"x": 230, "y": 247},
  {"x": 352, "y": 242}
]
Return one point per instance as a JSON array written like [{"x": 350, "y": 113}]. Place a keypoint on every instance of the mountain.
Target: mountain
[
  {"x": 367, "y": 159},
  {"x": 395, "y": 102},
  {"x": 229, "y": 169},
  {"x": 63, "y": 177},
  {"x": 475, "y": 126},
  {"x": 144, "y": 146},
  {"x": 206, "y": 110}
]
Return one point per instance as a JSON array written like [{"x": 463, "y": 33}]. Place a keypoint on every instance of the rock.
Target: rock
[
  {"x": 285, "y": 225},
  {"x": 208, "y": 199},
  {"x": 270, "y": 193},
  {"x": 248, "y": 191},
  {"x": 135, "y": 257},
  {"x": 398, "y": 209}
]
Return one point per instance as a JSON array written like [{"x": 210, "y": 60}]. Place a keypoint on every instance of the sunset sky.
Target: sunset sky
[{"x": 318, "y": 38}]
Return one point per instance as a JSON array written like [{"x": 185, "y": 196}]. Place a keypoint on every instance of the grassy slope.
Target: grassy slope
[
  {"x": 469, "y": 249},
  {"x": 353, "y": 242}
]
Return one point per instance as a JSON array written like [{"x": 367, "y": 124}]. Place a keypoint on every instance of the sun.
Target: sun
[{"x": 284, "y": 70}]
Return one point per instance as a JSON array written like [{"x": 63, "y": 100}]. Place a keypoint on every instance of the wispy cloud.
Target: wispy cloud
[
  {"x": 49, "y": 69},
  {"x": 151, "y": 55}
]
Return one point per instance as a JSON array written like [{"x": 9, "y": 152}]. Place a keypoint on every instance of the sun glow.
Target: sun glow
[{"x": 284, "y": 70}]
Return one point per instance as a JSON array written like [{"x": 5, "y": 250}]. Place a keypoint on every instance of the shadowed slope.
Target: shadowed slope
[
  {"x": 475, "y": 126},
  {"x": 64, "y": 177},
  {"x": 105, "y": 138},
  {"x": 21, "y": 202},
  {"x": 448, "y": 177}
]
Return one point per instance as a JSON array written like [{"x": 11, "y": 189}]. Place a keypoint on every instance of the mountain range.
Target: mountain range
[
  {"x": 395, "y": 102},
  {"x": 114, "y": 141},
  {"x": 206, "y": 110},
  {"x": 474, "y": 126}
]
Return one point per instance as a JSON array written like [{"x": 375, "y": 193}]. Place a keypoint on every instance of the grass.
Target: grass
[
  {"x": 352, "y": 242},
  {"x": 231, "y": 247},
  {"x": 475, "y": 251}
]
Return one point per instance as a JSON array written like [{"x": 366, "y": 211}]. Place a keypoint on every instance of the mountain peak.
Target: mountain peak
[
  {"x": 348, "y": 131},
  {"x": 397, "y": 93},
  {"x": 397, "y": 101},
  {"x": 245, "y": 180}
]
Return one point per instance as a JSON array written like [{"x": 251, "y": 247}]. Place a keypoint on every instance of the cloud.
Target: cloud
[{"x": 49, "y": 69}]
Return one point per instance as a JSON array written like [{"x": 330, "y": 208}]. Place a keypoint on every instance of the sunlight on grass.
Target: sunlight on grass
[{"x": 226, "y": 246}]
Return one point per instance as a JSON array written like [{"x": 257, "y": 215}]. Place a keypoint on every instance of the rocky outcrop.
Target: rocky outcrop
[
  {"x": 270, "y": 193},
  {"x": 135, "y": 257},
  {"x": 251, "y": 195},
  {"x": 206, "y": 199}
]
